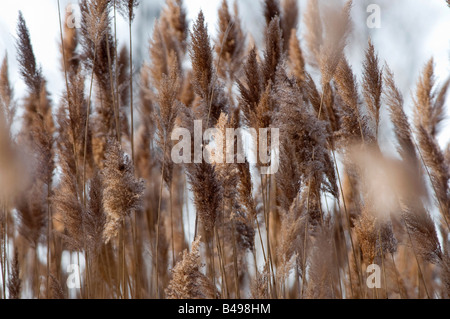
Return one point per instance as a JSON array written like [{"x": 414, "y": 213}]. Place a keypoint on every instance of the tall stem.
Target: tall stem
[
  {"x": 171, "y": 225},
  {"x": 116, "y": 73},
  {"x": 266, "y": 221},
  {"x": 131, "y": 94},
  {"x": 113, "y": 96},
  {"x": 236, "y": 273},
  {"x": 222, "y": 263},
  {"x": 158, "y": 222},
  {"x": 87, "y": 127},
  {"x": 49, "y": 224},
  {"x": 3, "y": 250}
]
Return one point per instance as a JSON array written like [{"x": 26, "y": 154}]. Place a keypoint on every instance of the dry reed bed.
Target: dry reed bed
[{"x": 78, "y": 177}]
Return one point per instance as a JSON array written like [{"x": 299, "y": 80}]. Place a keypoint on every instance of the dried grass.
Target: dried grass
[{"x": 74, "y": 179}]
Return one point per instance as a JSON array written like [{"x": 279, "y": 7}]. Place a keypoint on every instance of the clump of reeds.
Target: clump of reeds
[{"x": 80, "y": 185}]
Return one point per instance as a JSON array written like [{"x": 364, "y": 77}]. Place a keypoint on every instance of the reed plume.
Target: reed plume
[
  {"x": 230, "y": 44},
  {"x": 207, "y": 192},
  {"x": 29, "y": 70},
  {"x": 314, "y": 36},
  {"x": 335, "y": 41},
  {"x": 372, "y": 83},
  {"x": 66, "y": 199},
  {"x": 188, "y": 282},
  {"x": 122, "y": 192},
  {"x": 428, "y": 115},
  {"x": 175, "y": 15},
  {"x": 296, "y": 59},
  {"x": 205, "y": 82}
]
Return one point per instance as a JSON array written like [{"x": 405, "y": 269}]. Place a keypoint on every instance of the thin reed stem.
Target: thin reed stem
[
  {"x": 236, "y": 273},
  {"x": 3, "y": 243},
  {"x": 131, "y": 94},
  {"x": 113, "y": 96},
  {"x": 158, "y": 222},
  {"x": 171, "y": 224},
  {"x": 222, "y": 264},
  {"x": 87, "y": 127},
  {"x": 266, "y": 222}
]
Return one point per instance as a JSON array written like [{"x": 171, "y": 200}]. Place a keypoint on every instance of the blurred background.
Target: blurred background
[{"x": 411, "y": 32}]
